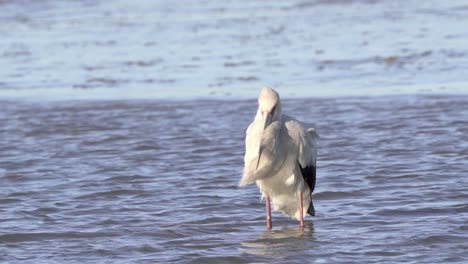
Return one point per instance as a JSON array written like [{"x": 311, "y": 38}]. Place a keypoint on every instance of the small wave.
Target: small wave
[
  {"x": 129, "y": 178},
  {"x": 238, "y": 64},
  {"x": 426, "y": 211},
  {"x": 141, "y": 63},
  {"x": 9, "y": 200},
  {"x": 440, "y": 239},
  {"x": 330, "y": 195},
  {"x": 25, "y": 237},
  {"x": 383, "y": 253},
  {"x": 110, "y": 194}
]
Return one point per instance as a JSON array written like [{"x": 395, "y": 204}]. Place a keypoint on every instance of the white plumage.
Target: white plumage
[{"x": 280, "y": 156}]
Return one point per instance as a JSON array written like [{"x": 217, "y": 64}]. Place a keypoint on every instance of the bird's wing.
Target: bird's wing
[{"x": 305, "y": 140}]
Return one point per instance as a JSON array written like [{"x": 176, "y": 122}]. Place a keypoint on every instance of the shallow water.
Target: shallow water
[
  {"x": 146, "y": 172},
  {"x": 156, "y": 181}
]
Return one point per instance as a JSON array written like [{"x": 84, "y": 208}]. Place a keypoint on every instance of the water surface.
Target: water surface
[
  {"x": 213, "y": 49},
  {"x": 108, "y": 155},
  {"x": 156, "y": 181}
]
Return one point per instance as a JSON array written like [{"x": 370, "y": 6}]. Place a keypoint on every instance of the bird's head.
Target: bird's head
[
  {"x": 269, "y": 110},
  {"x": 269, "y": 106}
]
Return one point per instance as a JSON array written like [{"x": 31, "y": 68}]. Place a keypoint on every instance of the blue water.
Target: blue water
[
  {"x": 148, "y": 181},
  {"x": 123, "y": 123}
]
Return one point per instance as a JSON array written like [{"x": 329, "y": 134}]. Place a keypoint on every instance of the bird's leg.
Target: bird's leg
[
  {"x": 301, "y": 211},
  {"x": 268, "y": 211}
]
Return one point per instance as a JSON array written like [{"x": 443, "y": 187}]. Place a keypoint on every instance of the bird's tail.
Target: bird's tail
[
  {"x": 313, "y": 133},
  {"x": 311, "y": 209}
]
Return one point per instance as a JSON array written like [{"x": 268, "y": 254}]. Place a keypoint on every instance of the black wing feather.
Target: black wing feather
[{"x": 309, "y": 175}]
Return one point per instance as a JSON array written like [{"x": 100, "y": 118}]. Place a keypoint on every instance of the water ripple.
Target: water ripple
[{"x": 141, "y": 181}]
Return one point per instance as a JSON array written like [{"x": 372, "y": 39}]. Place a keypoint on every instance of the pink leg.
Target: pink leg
[
  {"x": 268, "y": 211},
  {"x": 301, "y": 211}
]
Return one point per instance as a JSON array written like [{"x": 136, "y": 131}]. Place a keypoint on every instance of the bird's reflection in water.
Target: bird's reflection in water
[{"x": 283, "y": 242}]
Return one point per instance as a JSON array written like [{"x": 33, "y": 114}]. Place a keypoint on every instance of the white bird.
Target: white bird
[{"x": 280, "y": 156}]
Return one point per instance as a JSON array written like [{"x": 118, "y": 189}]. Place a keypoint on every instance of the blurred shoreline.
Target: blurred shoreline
[
  {"x": 98, "y": 94},
  {"x": 60, "y": 50}
]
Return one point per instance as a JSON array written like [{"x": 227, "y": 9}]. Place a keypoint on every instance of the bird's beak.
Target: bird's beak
[
  {"x": 259, "y": 155},
  {"x": 266, "y": 123},
  {"x": 266, "y": 120}
]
